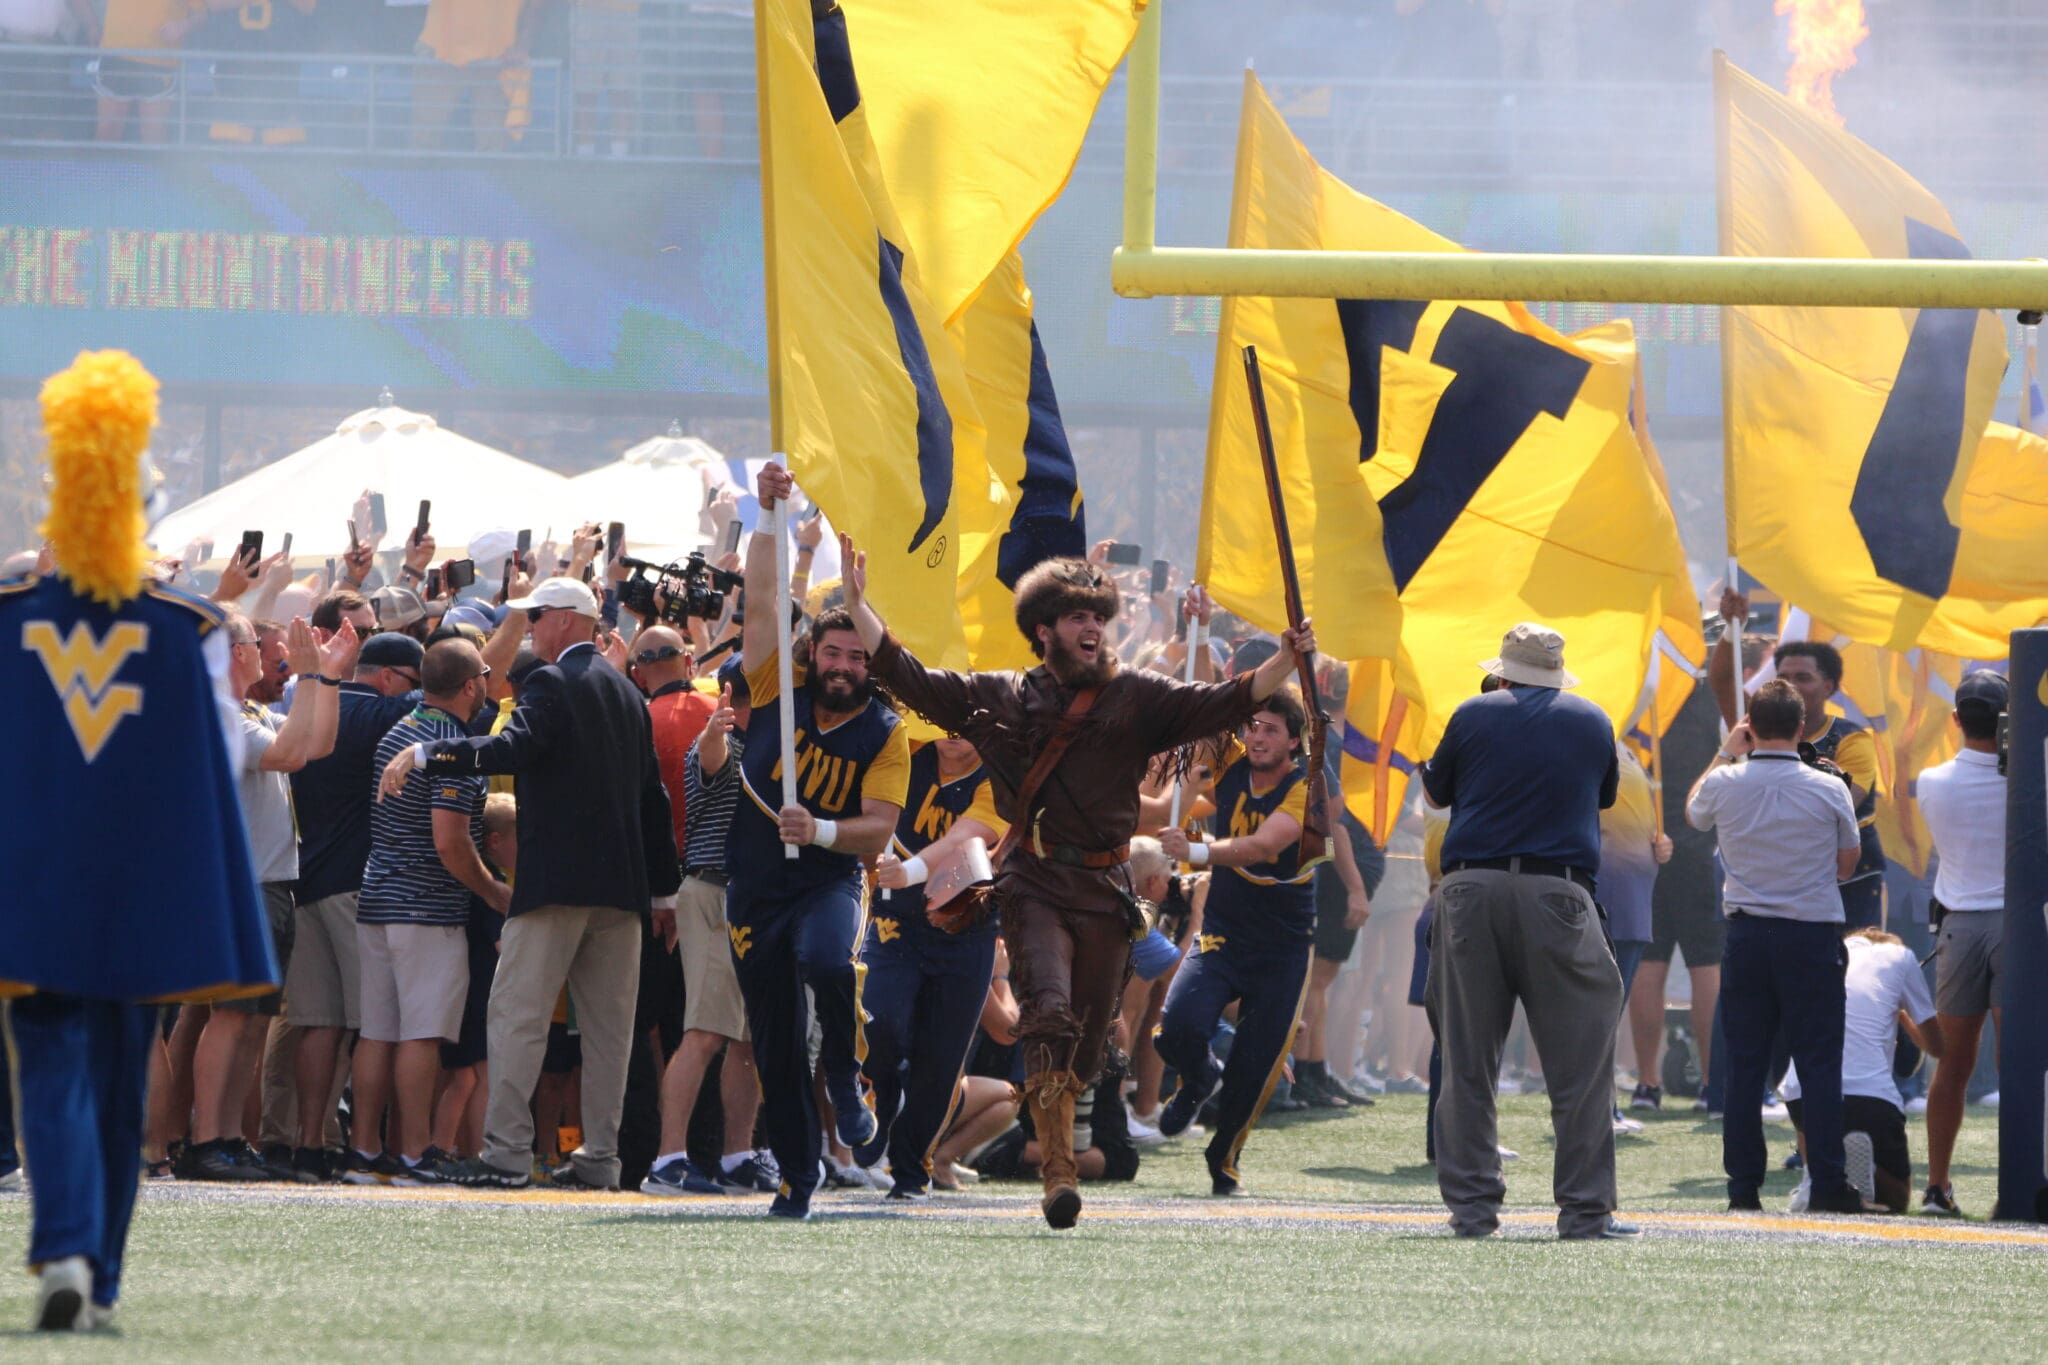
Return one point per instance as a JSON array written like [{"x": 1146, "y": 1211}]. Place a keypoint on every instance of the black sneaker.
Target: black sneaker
[
  {"x": 1316, "y": 1091},
  {"x": 1351, "y": 1095},
  {"x": 1613, "y": 1230},
  {"x": 1647, "y": 1097},
  {"x": 434, "y": 1166},
  {"x": 226, "y": 1160},
  {"x": 392, "y": 1169},
  {"x": 1748, "y": 1201},
  {"x": 567, "y": 1177},
  {"x": 355, "y": 1169},
  {"x": 790, "y": 1207},
  {"x": 1222, "y": 1183},
  {"x": 1180, "y": 1111},
  {"x": 277, "y": 1160},
  {"x": 477, "y": 1174},
  {"x": 309, "y": 1166},
  {"x": 1842, "y": 1201},
  {"x": 745, "y": 1178},
  {"x": 908, "y": 1194},
  {"x": 181, "y": 1155},
  {"x": 1940, "y": 1201}
]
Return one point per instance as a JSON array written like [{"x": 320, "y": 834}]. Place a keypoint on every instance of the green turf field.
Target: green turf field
[{"x": 1342, "y": 1254}]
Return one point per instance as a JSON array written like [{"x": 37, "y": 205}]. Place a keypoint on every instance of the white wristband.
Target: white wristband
[
  {"x": 419, "y": 755},
  {"x": 1198, "y": 855},
  {"x": 827, "y": 835},
  {"x": 914, "y": 870}
]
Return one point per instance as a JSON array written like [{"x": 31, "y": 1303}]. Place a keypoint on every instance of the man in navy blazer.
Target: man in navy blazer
[{"x": 596, "y": 851}]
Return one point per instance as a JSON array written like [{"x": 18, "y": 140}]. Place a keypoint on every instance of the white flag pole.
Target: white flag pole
[{"x": 785, "y": 663}]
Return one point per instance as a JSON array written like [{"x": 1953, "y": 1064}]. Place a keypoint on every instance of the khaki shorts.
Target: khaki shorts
[
  {"x": 415, "y": 981},
  {"x": 277, "y": 910},
  {"x": 711, "y": 989},
  {"x": 1966, "y": 970},
  {"x": 324, "y": 982}
]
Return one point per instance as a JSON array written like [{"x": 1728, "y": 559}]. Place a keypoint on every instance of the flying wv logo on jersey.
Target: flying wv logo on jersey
[
  {"x": 934, "y": 822},
  {"x": 81, "y": 667}
]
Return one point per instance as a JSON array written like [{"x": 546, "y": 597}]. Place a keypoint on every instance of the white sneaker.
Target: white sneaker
[
  {"x": 1505, "y": 1154},
  {"x": 1365, "y": 1083},
  {"x": 1144, "y": 1134},
  {"x": 1917, "y": 1105},
  {"x": 1989, "y": 1100},
  {"x": 1624, "y": 1125},
  {"x": 11, "y": 1182},
  {"x": 1859, "y": 1165},
  {"x": 1775, "y": 1112},
  {"x": 64, "y": 1296},
  {"x": 1801, "y": 1195},
  {"x": 966, "y": 1175}
]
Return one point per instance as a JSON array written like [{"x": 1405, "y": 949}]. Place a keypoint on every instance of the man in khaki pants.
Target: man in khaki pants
[
  {"x": 596, "y": 851},
  {"x": 1525, "y": 771}
]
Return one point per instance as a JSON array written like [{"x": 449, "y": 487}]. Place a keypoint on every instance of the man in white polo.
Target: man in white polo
[
  {"x": 1963, "y": 801},
  {"x": 1788, "y": 839}
]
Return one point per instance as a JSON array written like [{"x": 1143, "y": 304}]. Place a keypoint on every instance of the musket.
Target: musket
[{"x": 1315, "y": 827}]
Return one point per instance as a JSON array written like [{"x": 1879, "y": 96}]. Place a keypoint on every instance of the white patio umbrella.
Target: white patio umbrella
[
  {"x": 404, "y": 455},
  {"x": 657, "y": 490}
]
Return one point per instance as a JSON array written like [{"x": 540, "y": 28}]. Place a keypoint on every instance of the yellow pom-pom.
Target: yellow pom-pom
[{"x": 98, "y": 415}]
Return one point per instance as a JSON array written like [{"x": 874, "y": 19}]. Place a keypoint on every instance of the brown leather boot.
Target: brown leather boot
[{"x": 1051, "y": 1097}]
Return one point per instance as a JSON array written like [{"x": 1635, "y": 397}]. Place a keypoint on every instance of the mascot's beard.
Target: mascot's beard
[{"x": 1073, "y": 671}]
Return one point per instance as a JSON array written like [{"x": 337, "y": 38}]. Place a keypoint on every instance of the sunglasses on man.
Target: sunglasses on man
[{"x": 660, "y": 656}]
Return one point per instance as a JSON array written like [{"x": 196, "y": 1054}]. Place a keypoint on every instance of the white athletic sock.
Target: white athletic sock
[
  {"x": 732, "y": 1161},
  {"x": 667, "y": 1157}
]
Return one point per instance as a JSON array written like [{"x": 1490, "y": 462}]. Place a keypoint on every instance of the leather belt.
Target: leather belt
[
  {"x": 1069, "y": 855},
  {"x": 717, "y": 876},
  {"x": 1527, "y": 867},
  {"x": 1066, "y": 855}
]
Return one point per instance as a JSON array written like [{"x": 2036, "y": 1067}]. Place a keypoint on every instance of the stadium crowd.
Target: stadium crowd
[{"x": 433, "y": 746}]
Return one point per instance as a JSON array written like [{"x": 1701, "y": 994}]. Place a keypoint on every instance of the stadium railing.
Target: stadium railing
[{"x": 682, "y": 90}]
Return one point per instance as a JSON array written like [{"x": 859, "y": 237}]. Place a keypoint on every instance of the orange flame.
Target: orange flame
[{"x": 1823, "y": 39}]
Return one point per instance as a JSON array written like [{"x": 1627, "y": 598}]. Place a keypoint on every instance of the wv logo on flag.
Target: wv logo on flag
[
  {"x": 81, "y": 668},
  {"x": 1504, "y": 380}
]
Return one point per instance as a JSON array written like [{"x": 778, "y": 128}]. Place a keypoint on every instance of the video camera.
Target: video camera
[{"x": 677, "y": 592}]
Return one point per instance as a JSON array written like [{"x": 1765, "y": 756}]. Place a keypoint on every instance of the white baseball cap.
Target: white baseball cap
[{"x": 559, "y": 594}]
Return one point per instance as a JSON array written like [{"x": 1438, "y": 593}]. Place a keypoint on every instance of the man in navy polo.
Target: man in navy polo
[{"x": 1525, "y": 771}]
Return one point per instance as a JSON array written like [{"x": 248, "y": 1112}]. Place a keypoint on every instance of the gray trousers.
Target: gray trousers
[
  {"x": 596, "y": 950},
  {"x": 1500, "y": 937}
]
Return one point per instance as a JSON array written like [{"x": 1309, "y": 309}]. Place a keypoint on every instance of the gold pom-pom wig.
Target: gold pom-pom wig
[{"x": 97, "y": 415}]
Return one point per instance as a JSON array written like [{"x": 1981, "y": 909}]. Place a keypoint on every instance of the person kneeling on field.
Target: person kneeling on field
[{"x": 1886, "y": 991}]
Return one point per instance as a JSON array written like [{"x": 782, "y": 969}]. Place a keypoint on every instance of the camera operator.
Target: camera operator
[{"x": 1778, "y": 820}]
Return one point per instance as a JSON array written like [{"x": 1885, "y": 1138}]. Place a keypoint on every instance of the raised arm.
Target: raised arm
[
  {"x": 758, "y": 637},
  {"x": 944, "y": 698}
]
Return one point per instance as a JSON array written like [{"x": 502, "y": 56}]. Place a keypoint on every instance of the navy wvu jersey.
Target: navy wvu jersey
[
  {"x": 114, "y": 744},
  {"x": 1265, "y": 903},
  {"x": 929, "y": 813},
  {"x": 262, "y": 26},
  {"x": 865, "y": 757},
  {"x": 931, "y": 807}
]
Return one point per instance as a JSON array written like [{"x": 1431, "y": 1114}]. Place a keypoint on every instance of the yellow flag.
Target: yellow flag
[
  {"x": 1853, "y": 433},
  {"x": 1283, "y": 198},
  {"x": 1382, "y": 748},
  {"x": 867, "y": 396},
  {"x": 979, "y": 110},
  {"x": 1022, "y": 503},
  {"x": 978, "y": 113},
  {"x": 1466, "y": 456}
]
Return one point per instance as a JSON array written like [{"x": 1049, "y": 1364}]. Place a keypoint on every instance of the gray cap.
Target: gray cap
[{"x": 1982, "y": 690}]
